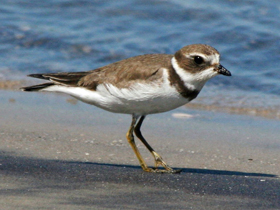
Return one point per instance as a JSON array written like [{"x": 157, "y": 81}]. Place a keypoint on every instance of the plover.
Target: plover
[{"x": 141, "y": 85}]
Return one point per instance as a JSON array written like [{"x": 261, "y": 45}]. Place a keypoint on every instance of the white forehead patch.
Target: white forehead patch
[{"x": 214, "y": 58}]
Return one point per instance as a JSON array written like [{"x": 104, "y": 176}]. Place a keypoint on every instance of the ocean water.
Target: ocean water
[{"x": 70, "y": 35}]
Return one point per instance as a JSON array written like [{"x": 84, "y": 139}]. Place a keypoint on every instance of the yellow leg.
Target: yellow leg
[
  {"x": 158, "y": 159},
  {"x": 130, "y": 139}
]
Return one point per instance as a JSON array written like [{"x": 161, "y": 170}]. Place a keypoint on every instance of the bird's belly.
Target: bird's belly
[
  {"x": 140, "y": 100},
  {"x": 144, "y": 106}
]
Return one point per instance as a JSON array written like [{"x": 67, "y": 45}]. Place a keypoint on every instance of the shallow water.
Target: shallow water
[{"x": 60, "y": 35}]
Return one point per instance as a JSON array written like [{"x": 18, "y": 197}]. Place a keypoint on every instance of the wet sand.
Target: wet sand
[{"x": 57, "y": 153}]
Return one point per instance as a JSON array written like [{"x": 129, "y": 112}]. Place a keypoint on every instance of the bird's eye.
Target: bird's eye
[{"x": 198, "y": 60}]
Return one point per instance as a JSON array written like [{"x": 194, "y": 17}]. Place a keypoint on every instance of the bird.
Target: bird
[{"x": 139, "y": 86}]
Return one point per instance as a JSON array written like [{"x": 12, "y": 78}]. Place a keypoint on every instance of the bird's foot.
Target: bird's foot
[
  {"x": 160, "y": 162},
  {"x": 156, "y": 170}
]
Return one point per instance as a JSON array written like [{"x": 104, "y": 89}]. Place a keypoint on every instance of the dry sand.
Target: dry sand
[{"x": 57, "y": 153}]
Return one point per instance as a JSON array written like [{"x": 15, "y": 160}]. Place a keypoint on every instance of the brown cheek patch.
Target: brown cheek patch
[{"x": 187, "y": 63}]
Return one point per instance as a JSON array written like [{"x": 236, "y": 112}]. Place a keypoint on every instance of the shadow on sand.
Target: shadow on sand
[
  {"x": 188, "y": 170},
  {"x": 110, "y": 185}
]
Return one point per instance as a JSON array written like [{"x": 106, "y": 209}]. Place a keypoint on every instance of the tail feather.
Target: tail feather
[
  {"x": 39, "y": 76},
  {"x": 68, "y": 78},
  {"x": 37, "y": 87},
  {"x": 64, "y": 79}
]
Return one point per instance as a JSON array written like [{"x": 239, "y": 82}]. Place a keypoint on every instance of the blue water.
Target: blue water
[{"x": 71, "y": 35}]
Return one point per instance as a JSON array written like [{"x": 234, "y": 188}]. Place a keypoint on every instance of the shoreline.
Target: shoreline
[{"x": 265, "y": 112}]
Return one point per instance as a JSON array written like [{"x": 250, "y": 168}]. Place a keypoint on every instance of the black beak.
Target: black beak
[{"x": 222, "y": 70}]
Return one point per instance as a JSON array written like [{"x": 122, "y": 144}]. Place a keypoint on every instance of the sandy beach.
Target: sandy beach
[{"x": 58, "y": 153}]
